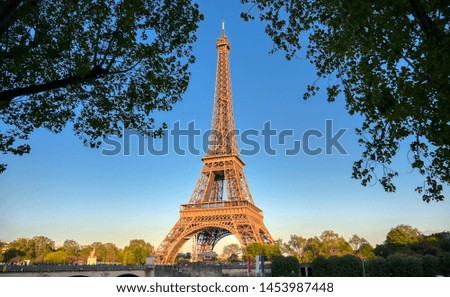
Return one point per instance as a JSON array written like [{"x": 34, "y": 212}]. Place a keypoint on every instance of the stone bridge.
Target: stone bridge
[{"x": 77, "y": 270}]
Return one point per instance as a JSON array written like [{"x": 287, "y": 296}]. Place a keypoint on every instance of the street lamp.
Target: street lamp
[
  {"x": 78, "y": 254},
  {"x": 363, "y": 267}
]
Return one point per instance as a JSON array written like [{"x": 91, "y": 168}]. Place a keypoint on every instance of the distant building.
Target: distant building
[{"x": 207, "y": 256}]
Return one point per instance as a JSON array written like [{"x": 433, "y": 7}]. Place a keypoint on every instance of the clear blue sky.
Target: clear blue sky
[{"x": 64, "y": 190}]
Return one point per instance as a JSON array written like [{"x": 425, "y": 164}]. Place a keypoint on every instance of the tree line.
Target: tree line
[
  {"x": 402, "y": 240},
  {"x": 394, "y": 265},
  {"x": 405, "y": 252},
  {"x": 42, "y": 250}
]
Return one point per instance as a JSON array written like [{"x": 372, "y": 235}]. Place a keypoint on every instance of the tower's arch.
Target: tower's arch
[{"x": 217, "y": 232}]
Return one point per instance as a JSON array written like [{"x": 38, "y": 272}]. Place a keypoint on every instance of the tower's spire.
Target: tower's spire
[{"x": 222, "y": 139}]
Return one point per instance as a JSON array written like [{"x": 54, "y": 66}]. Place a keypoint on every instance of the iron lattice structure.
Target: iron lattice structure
[{"x": 221, "y": 203}]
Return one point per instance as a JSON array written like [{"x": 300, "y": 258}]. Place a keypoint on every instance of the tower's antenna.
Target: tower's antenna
[{"x": 223, "y": 28}]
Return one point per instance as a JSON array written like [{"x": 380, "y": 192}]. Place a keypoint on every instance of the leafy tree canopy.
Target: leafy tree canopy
[
  {"x": 332, "y": 244},
  {"x": 23, "y": 246},
  {"x": 71, "y": 247},
  {"x": 137, "y": 251},
  {"x": 366, "y": 251},
  {"x": 267, "y": 250},
  {"x": 377, "y": 267},
  {"x": 403, "y": 235},
  {"x": 329, "y": 243},
  {"x": 406, "y": 240},
  {"x": 59, "y": 257},
  {"x": 356, "y": 242},
  {"x": 295, "y": 246},
  {"x": 105, "y": 252},
  {"x": 390, "y": 59},
  {"x": 29, "y": 249},
  {"x": 230, "y": 250},
  {"x": 40, "y": 246},
  {"x": 101, "y": 65},
  {"x": 285, "y": 266}
]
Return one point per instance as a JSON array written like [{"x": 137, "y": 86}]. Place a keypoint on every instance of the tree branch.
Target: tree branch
[
  {"x": 8, "y": 95},
  {"x": 426, "y": 23},
  {"x": 126, "y": 70},
  {"x": 7, "y": 11},
  {"x": 113, "y": 37}
]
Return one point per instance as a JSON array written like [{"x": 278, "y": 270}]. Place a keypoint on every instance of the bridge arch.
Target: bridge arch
[{"x": 128, "y": 275}]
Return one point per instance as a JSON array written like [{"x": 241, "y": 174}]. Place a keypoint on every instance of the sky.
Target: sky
[{"x": 64, "y": 190}]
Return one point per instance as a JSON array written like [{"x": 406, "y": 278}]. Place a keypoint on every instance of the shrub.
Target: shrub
[
  {"x": 405, "y": 266},
  {"x": 285, "y": 266},
  {"x": 377, "y": 267},
  {"x": 319, "y": 266},
  {"x": 430, "y": 265},
  {"x": 347, "y": 265},
  {"x": 444, "y": 264}
]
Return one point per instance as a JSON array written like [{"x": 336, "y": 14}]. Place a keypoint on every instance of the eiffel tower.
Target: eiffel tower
[{"x": 221, "y": 203}]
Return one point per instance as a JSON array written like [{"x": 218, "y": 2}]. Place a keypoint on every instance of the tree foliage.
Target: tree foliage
[
  {"x": 231, "y": 251},
  {"x": 404, "y": 266},
  {"x": 40, "y": 246},
  {"x": 361, "y": 247},
  {"x": 328, "y": 244},
  {"x": 285, "y": 266},
  {"x": 347, "y": 265},
  {"x": 106, "y": 252},
  {"x": 366, "y": 251},
  {"x": 405, "y": 240},
  {"x": 319, "y": 267},
  {"x": 29, "y": 249},
  {"x": 405, "y": 252},
  {"x": 333, "y": 244},
  {"x": 357, "y": 242},
  {"x": 395, "y": 265},
  {"x": 403, "y": 235},
  {"x": 294, "y": 247},
  {"x": 137, "y": 251},
  {"x": 58, "y": 257},
  {"x": 18, "y": 250},
  {"x": 71, "y": 247},
  {"x": 377, "y": 267},
  {"x": 444, "y": 263},
  {"x": 430, "y": 265},
  {"x": 41, "y": 249},
  {"x": 337, "y": 266},
  {"x": 258, "y": 249},
  {"x": 101, "y": 65},
  {"x": 391, "y": 62},
  {"x": 2, "y": 244},
  {"x": 24, "y": 245}
]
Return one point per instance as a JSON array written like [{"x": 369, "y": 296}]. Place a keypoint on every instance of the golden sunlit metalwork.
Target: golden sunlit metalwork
[{"x": 221, "y": 203}]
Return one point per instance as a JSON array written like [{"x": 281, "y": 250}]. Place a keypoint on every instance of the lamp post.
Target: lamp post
[
  {"x": 363, "y": 267},
  {"x": 78, "y": 250}
]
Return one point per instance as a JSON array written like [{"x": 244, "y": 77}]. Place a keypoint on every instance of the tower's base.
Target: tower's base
[{"x": 210, "y": 222}]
